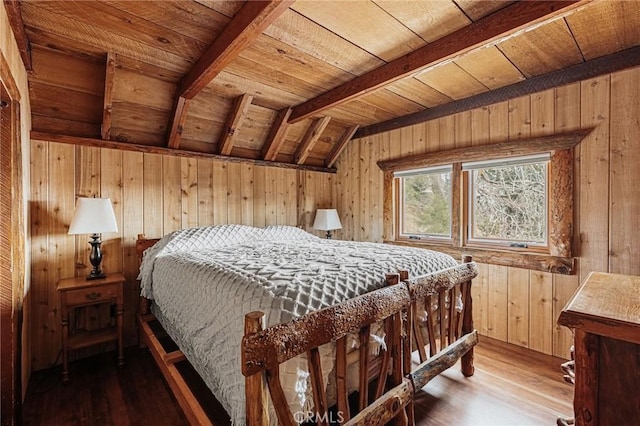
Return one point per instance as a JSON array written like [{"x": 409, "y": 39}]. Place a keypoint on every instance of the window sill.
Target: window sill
[{"x": 516, "y": 259}]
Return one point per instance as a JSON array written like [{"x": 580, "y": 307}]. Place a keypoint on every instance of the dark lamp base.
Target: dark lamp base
[
  {"x": 98, "y": 276},
  {"x": 95, "y": 257}
]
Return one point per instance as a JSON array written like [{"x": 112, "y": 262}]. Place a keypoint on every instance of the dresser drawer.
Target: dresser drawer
[{"x": 87, "y": 296}]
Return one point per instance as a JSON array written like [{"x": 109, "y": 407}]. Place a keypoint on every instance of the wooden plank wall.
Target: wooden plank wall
[
  {"x": 516, "y": 305},
  {"x": 152, "y": 194}
]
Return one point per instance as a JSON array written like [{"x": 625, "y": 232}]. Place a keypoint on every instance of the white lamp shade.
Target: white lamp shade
[
  {"x": 327, "y": 220},
  {"x": 93, "y": 216}
]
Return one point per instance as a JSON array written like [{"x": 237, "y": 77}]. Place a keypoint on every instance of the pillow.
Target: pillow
[
  {"x": 209, "y": 236},
  {"x": 189, "y": 240},
  {"x": 286, "y": 233}
]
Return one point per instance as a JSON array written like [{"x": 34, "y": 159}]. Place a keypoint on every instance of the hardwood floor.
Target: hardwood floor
[
  {"x": 511, "y": 386},
  {"x": 100, "y": 393}
]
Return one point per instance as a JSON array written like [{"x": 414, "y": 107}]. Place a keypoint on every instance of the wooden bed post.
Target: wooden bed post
[
  {"x": 143, "y": 308},
  {"x": 409, "y": 417},
  {"x": 467, "y": 323},
  {"x": 392, "y": 279},
  {"x": 257, "y": 409},
  {"x": 402, "y": 364},
  {"x": 142, "y": 244},
  {"x": 144, "y": 304}
]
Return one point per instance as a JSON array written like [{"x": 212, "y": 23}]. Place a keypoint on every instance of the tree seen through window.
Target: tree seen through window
[
  {"x": 509, "y": 203},
  {"x": 427, "y": 204}
]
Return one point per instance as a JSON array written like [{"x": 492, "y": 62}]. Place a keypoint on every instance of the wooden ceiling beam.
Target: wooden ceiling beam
[
  {"x": 340, "y": 145},
  {"x": 310, "y": 138},
  {"x": 180, "y": 108},
  {"x": 493, "y": 29},
  {"x": 250, "y": 21},
  {"x": 625, "y": 59},
  {"x": 110, "y": 71},
  {"x": 234, "y": 123},
  {"x": 277, "y": 135},
  {"x": 17, "y": 26},
  {"x": 75, "y": 140}
]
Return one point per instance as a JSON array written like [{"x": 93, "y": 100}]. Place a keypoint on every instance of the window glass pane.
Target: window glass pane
[
  {"x": 426, "y": 204},
  {"x": 510, "y": 203}
]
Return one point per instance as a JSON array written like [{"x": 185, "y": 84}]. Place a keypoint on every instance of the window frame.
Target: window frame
[
  {"x": 468, "y": 240},
  {"x": 557, "y": 258},
  {"x": 399, "y": 202}
]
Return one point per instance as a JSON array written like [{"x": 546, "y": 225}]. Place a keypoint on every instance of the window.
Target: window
[
  {"x": 507, "y": 202},
  {"x": 425, "y": 199}
]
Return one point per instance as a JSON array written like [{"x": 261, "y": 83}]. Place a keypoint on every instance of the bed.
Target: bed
[{"x": 203, "y": 281}]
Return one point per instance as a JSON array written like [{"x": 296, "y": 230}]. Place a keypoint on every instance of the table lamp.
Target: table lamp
[
  {"x": 327, "y": 220},
  {"x": 94, "y": 216}
]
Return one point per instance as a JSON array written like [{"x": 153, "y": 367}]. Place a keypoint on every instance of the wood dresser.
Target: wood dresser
[{"x": 605, "y": 315}]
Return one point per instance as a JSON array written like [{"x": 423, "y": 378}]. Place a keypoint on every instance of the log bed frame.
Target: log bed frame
[{"x": 448, "y": 334}]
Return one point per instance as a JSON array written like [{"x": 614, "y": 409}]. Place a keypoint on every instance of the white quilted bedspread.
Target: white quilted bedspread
[{"x": 204, "y": 280}]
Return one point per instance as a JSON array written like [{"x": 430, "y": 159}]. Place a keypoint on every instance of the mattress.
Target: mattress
[{"x": 204, "y": 280}]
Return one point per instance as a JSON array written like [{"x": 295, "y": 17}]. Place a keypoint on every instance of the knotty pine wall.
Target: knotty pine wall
[
  {"x": 154, "y": 195},
  {"x": 511, "y": 304}
]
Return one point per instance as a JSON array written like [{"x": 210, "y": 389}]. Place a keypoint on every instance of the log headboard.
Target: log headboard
[{"x": 142, "y": 244}]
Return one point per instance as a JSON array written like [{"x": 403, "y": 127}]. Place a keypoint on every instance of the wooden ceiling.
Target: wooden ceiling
[{"x": 288, "y": 82}]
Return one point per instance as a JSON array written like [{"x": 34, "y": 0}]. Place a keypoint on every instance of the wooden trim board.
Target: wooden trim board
[
  {"x": 75, "y": 140},
  {"x": 628, "y": 58}
]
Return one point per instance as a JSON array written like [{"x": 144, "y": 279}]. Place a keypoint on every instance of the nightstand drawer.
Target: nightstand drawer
[{"x": 87, "y": 296}]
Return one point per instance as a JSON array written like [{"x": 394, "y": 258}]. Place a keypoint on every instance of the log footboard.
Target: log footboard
[
  {"x": 423, "y": 373},
  {"x": 450, "y": 337},
  {"x": 263, "y": 351},
  {"x": 441, "y": 313}
]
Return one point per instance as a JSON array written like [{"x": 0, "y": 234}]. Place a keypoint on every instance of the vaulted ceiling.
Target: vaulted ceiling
[{"x": 288, "y": 82}]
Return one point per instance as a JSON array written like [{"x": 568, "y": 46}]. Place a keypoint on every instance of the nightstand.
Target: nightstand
[{"x": 78, "y": 292}]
